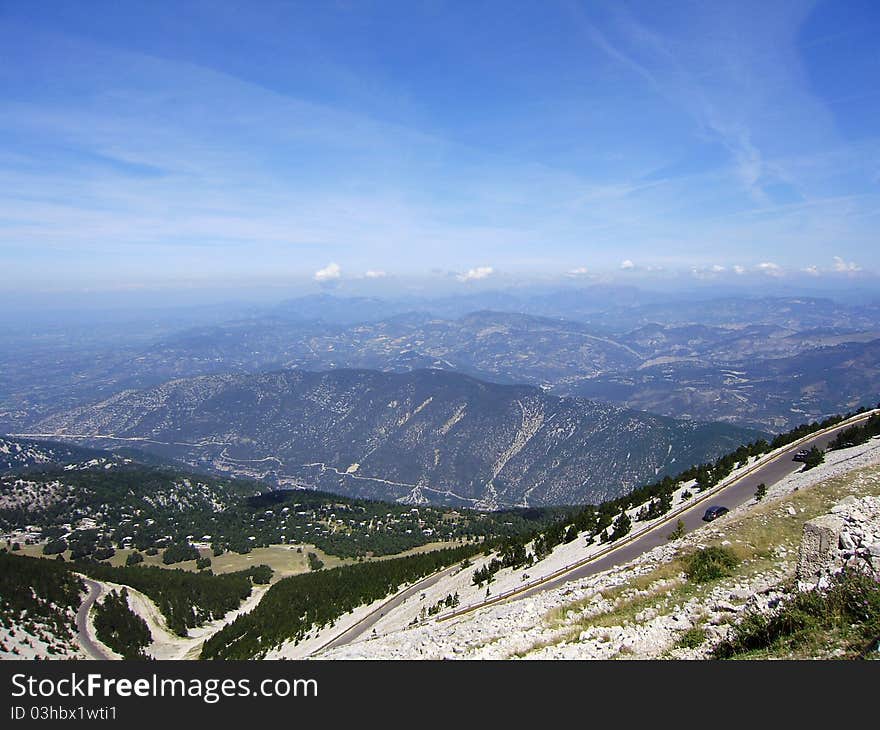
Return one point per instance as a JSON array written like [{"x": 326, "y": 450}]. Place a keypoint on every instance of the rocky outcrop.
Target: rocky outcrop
[
  {"x": 848, "y": 537},
  {"x": 819, "y": 545}
]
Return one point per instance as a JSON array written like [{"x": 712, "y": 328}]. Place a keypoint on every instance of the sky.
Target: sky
[{"x": 330, "y": 144}]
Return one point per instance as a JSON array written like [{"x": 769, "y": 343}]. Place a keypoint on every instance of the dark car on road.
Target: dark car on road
[
  {"x": 801, "y": 455},
  {"x": 714, "y": 512}
]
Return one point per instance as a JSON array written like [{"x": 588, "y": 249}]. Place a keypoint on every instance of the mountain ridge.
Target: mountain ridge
[{"x": 424, "y": 435}]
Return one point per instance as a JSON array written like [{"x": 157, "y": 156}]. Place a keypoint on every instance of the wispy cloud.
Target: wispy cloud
[{"x": 116, "y": 161}]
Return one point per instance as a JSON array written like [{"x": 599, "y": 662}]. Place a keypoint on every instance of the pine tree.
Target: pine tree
[
  {"x": 622, "y": 525},
  {"x": 677, "y": 532}
]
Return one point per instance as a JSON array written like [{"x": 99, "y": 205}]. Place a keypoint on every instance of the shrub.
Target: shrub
[
  {"x": 622, "y": 526},
  {"x": 692, "y": 638},
  {"x": 261, "y": 574},
  {"x": 179, "y": 553},
  {"x": 103, "y": 553},
  {"x": 814, "y": 458},
  {"x": 849, "y": 609},
  {"x": 711, "y": 563}
]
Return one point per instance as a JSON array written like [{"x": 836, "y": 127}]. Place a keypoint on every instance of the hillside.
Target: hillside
[
  {"x": 423, "y": 436},
  {"x": 90, "y": 512},
  {"x": 38, "y": 602},
  {"x": 665, "y": 604},
  {"x": 18, "y": 454}
]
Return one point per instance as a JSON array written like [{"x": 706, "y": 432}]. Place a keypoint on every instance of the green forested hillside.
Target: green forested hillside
[
  {"x": 38, "y": 593},
  {"x": 294, "y": 606},
  {"x": 143, "y": 507}
]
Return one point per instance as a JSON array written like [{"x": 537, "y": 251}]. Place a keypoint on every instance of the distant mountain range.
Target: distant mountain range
[
  {"x": 767, "y": 364},
  {"x": 774, "y": 393},
  {"x": 420, "y": 436}
]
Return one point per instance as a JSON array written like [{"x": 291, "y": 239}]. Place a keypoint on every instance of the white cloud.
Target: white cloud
[
  {"x": 845, "y": 266},
  {"x": 769, "y": 268},
  {"x": 627, "y": 265},
  {"x": 709, "y": 272},
  {"x": 375, "y": 274},
  {"x": 811, "y": 270},
  {"x": 330, "y": 272},
  {"x": 579, "y": 271},
  {"x": 739, "y": 270},
  {"x": 480, "y": 272}
]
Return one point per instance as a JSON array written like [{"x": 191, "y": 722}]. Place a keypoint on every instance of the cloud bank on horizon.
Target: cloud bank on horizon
[{"x": 575, "y": 140}]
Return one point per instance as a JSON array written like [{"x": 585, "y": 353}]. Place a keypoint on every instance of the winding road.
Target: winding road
[{"x": 92, "y": 648}]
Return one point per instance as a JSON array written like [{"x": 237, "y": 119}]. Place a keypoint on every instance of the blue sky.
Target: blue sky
[{"x": 334, "y": 142}]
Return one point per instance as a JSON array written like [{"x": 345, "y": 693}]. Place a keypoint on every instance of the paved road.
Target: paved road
[
  {"x": 740, "y": 492},
  {"x": 367, "y": 623},
  {"x": 85, "y": 639}
]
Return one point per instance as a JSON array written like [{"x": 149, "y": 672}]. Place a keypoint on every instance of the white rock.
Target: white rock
[{"x": 725, "y": 606}]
